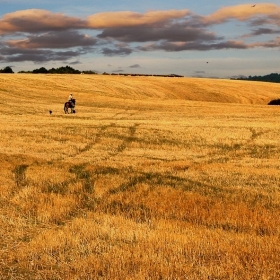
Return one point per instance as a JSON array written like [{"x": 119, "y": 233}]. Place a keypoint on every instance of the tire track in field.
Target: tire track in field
[
  {"x": 246, "y": 148},
  {"x": 95, "y": 141},
  {"x": 119, "y": 149},
  {"x": 126, "y": 141}
]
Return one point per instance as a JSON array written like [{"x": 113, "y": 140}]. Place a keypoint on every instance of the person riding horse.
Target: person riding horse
[{"x": 70, "y": 104}]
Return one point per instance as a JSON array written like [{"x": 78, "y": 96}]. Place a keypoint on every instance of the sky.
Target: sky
[{"x": 202, "y": 38}]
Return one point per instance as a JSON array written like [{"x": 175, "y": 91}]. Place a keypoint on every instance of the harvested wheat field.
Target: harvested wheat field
[{"x": 152, "y": 178}]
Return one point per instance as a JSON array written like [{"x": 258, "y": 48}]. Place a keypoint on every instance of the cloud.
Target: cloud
[
  {"x": 270, "y": 44},
  {"x": 35, "y": 20},
  {"x": 75, "y": 62},
  {"x": 37, "y": 56},
  {"x": 118, "y": 71},
  {"x": 261, "y": 31},
  {"x": 58, "y": 40},
  {"x": 117, "y": 51},
  {"x": 40, "y": 35},
  {"x": 128, "y": 18},
  {"x": 199, "y": 46},
  {"x": 242, "y": 13},
  {"x": 135, "y": 66},
  {"x": 170, "y": 32}
]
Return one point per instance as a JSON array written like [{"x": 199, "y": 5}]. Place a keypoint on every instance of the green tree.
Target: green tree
[
  {"x": 42, "y": 70},
  {"x": 7, "y": 69}
]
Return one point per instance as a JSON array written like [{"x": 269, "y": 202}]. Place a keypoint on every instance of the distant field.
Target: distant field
[{"x": 152, "y": 178}]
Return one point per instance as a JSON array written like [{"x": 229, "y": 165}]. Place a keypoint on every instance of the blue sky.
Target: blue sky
[{"x": 191, "y": 38}]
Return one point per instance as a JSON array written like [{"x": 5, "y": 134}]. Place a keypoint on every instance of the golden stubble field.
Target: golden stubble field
[{"x": 152, "y": 178}]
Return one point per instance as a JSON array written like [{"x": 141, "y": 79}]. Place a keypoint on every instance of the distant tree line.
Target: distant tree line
[
  {"x": 69, "y": 70},
  {"x": 61, "y": 70},
  {"x": 272, "y": 78},
  {"x": 7, "y": 69},
  {"x": 146, "y": 75}
]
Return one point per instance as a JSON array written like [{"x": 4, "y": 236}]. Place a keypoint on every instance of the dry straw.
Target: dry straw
[{"x": 152, "y": 178}]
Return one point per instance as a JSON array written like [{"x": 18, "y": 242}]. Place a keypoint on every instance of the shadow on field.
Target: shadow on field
[{"x": 19, "y": 175}]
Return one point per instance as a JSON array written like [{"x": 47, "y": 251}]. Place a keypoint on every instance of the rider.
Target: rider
[{"x": 70, "y": 99}]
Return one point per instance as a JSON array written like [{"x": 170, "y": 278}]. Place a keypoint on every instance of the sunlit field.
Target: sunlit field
[{"x": 152, "y": 178}]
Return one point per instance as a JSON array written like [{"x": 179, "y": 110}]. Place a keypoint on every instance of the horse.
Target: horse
[{"x": 70, "y": 105}]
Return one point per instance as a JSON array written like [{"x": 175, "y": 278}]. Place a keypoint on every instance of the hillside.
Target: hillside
[
  {"x": 152, "y": 178},
  {"x": 94, "y": 88}
]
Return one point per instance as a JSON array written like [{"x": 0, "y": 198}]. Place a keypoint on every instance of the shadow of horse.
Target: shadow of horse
[{"x": 70, "y": 105}]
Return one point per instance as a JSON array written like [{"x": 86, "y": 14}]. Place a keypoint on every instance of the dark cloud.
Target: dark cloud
[
  {"x": 74, "y": 62},
  {"x": 38, "y": 48},
  {"x": 261, "y": 31},
  {"x": 199, "y": 46},
  {"x": 118, "y": 51},
  {"x": 259, "y": 21},
  {"x": 170, "y": 32},
  {"x": 54, "y": 40},
  {"x": 135, "y": 66},
  {"x": 37, "y": 56},
  {"x": 118, "y": 71}
]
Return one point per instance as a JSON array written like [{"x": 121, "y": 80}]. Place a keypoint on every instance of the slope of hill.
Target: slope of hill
[
  {"x": 152, "y": 178},
  {"x": 93, "y": 88}
]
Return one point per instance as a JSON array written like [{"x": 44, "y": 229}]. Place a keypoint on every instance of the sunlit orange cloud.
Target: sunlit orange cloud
[
  {"x": 128, "y": 18},
  {"x": 271, "y": 44},
  {"x": 241, "y": 12},
  {"x": 24, "y": 44},
  {"x": 37, "y": 20}
]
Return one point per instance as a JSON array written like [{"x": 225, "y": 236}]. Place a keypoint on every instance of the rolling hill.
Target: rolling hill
[
  {"x": 93, "y": 88},
  {"x": 152, "y": 178}
]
